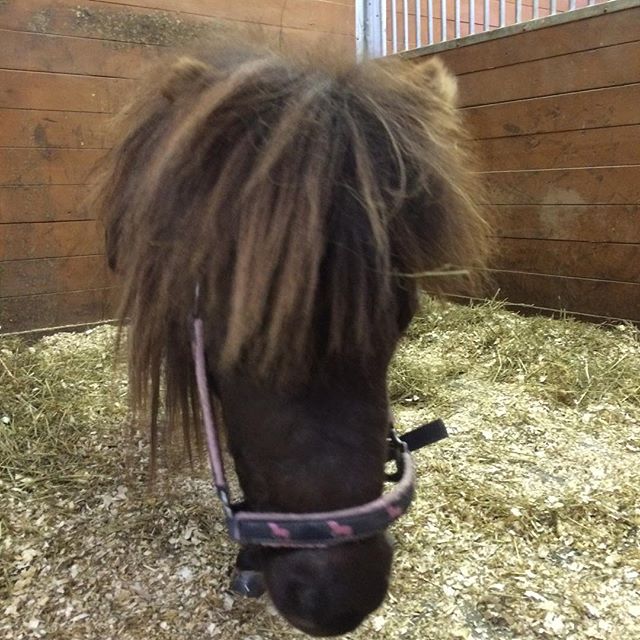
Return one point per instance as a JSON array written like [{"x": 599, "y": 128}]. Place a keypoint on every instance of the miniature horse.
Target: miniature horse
[{"x": 305, "y": 199}]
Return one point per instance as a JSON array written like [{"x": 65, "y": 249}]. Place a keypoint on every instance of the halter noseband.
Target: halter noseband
[{"x": 309, "y": 530}]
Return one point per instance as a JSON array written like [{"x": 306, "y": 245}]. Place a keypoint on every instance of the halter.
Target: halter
[{"x": 311, "y": 530}]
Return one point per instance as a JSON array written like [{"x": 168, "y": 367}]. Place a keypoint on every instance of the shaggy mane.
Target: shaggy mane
[{"x": 288, "y": 189}]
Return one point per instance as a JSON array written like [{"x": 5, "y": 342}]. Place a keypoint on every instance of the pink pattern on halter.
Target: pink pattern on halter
[
  {"x": 279, "y": 532},
  {"x": 394, "y": 511},
  {"x": 339, "y": 529}
]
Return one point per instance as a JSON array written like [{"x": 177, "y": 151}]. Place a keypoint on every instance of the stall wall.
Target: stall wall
[
  {"x": 556, "y": 115},
  {"x": 65, "y": 67}
]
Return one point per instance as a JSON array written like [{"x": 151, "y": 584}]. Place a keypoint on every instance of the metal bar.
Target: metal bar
[
  {"x": 443, "y": 20},
  {"x": 430, "y": 21},
  {"x": 405, "y": 18},
  {"x": 383, "y": 26},
  {"x": 487, "y": 14},
  {"x": 472, "y": 16},
  {"x": 371, "y": 28},
  {"x": 554, "y": 7},
  {"x": 572, "y": 5},
  {"x": 394, "y": 26},
  {"x": 536, "y": 9},
  {"x": 456, "y": 18},
  {"x": 418, "y": 25},
  {"x": 361, "y": 39},
  {"x": 503, "y": 12},
  {"x": 518, "y": 11}
]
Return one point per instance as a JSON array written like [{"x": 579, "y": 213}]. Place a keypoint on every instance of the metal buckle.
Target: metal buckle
[
  {"x": 396, "y": 452},
  {"x": 227, "y": 506}
]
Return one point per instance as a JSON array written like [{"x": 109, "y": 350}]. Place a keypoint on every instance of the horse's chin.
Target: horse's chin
[{"x": 329, "y": 592}]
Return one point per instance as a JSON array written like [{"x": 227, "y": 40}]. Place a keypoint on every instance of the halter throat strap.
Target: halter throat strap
[{"x": 310, "y": 530}]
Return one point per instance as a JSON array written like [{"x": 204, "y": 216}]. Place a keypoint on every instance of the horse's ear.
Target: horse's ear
[
  {"x": 436, "y": 78},
  {"x": 183, "y": 75}
]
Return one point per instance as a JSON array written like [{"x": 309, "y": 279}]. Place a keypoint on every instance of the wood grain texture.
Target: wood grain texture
[
  {"x": 580, "y": 295},
  {"x": 54, "y": 129},
  {"x": 22, "y": 241},
  {"x": 297, "y": 23},
  {"x": 597, "y": 68},
  {"x": 65, "y": 67},
  {"x": 51, "y": 275},
  {"x": 84, "y": 56},
  {"x": 42, "y": 203},
  {"x": 585, "y": 222},
  {"x": 596, "y": 108},
  {"x": 525, "y": 309},
  {"x": 557, "y": 40},
  {"x": 586, "y": 148},
  {"x": 47, "y": 166},
  {"x": 303, "y": 39},
  {"x": 595, "y": 185},
  {"x": 132, "y": 36},
  {"x": 107, "y": 21},
  {"x": 23, "y": 313},
  {"x": 597, "y": 260},
  {"x": 555, "y": 113},
  {"x": 319, "y": 15},
  {"x": 30, "y": 90}
]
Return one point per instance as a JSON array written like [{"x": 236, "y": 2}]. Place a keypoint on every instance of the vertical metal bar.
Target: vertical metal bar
[
  {"x": 418, "y": 25},
  {"x": 405, "y": 18},
  {"x": 456, "y": 18},
  {"x": 487, "y": 14},
  {"x": 536, "y": 9},
  {"x": 503, "y": 12},
  {"x": 554, "y": 7},
  {"x": 518, "y": 11},
  {"x": 361, "y": 39},
  {"x": 472, "y": 16},
  {"x": 394, "y": 26},
  {"x": 430, "y": 21},
  {"x": 443, "y": 20},
  {"x": 572, "y": 5},
  {"x": 592, "y": 2},
  {"x": 371, "y": 28},
  {"x": 383, "y": 25}
]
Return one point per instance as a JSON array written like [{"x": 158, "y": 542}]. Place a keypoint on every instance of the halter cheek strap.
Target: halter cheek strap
[{"x": 311, "y": 530}]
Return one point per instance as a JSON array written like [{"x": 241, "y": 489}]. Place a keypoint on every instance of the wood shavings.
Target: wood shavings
[{"x": 526, "y": 522}]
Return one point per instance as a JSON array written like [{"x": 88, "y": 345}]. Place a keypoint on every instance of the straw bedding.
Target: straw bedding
[{"x": 526, "y": 523}]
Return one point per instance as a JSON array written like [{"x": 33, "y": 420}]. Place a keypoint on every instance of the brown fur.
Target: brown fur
[{"x": 299, "y": 194}]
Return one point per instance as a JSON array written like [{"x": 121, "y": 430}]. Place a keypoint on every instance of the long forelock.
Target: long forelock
[{"x": 286, "y": 191}]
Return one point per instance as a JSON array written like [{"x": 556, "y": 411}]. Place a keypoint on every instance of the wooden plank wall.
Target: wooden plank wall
[
  {"x": 556, "y": 113},
  {"x": 65, "y": 68}
]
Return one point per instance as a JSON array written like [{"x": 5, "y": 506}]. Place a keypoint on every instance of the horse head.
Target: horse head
[{"x": 307, "y": 200}]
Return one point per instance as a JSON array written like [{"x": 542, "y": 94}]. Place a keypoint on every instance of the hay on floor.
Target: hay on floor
[{"x": 526, "y": 523}]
